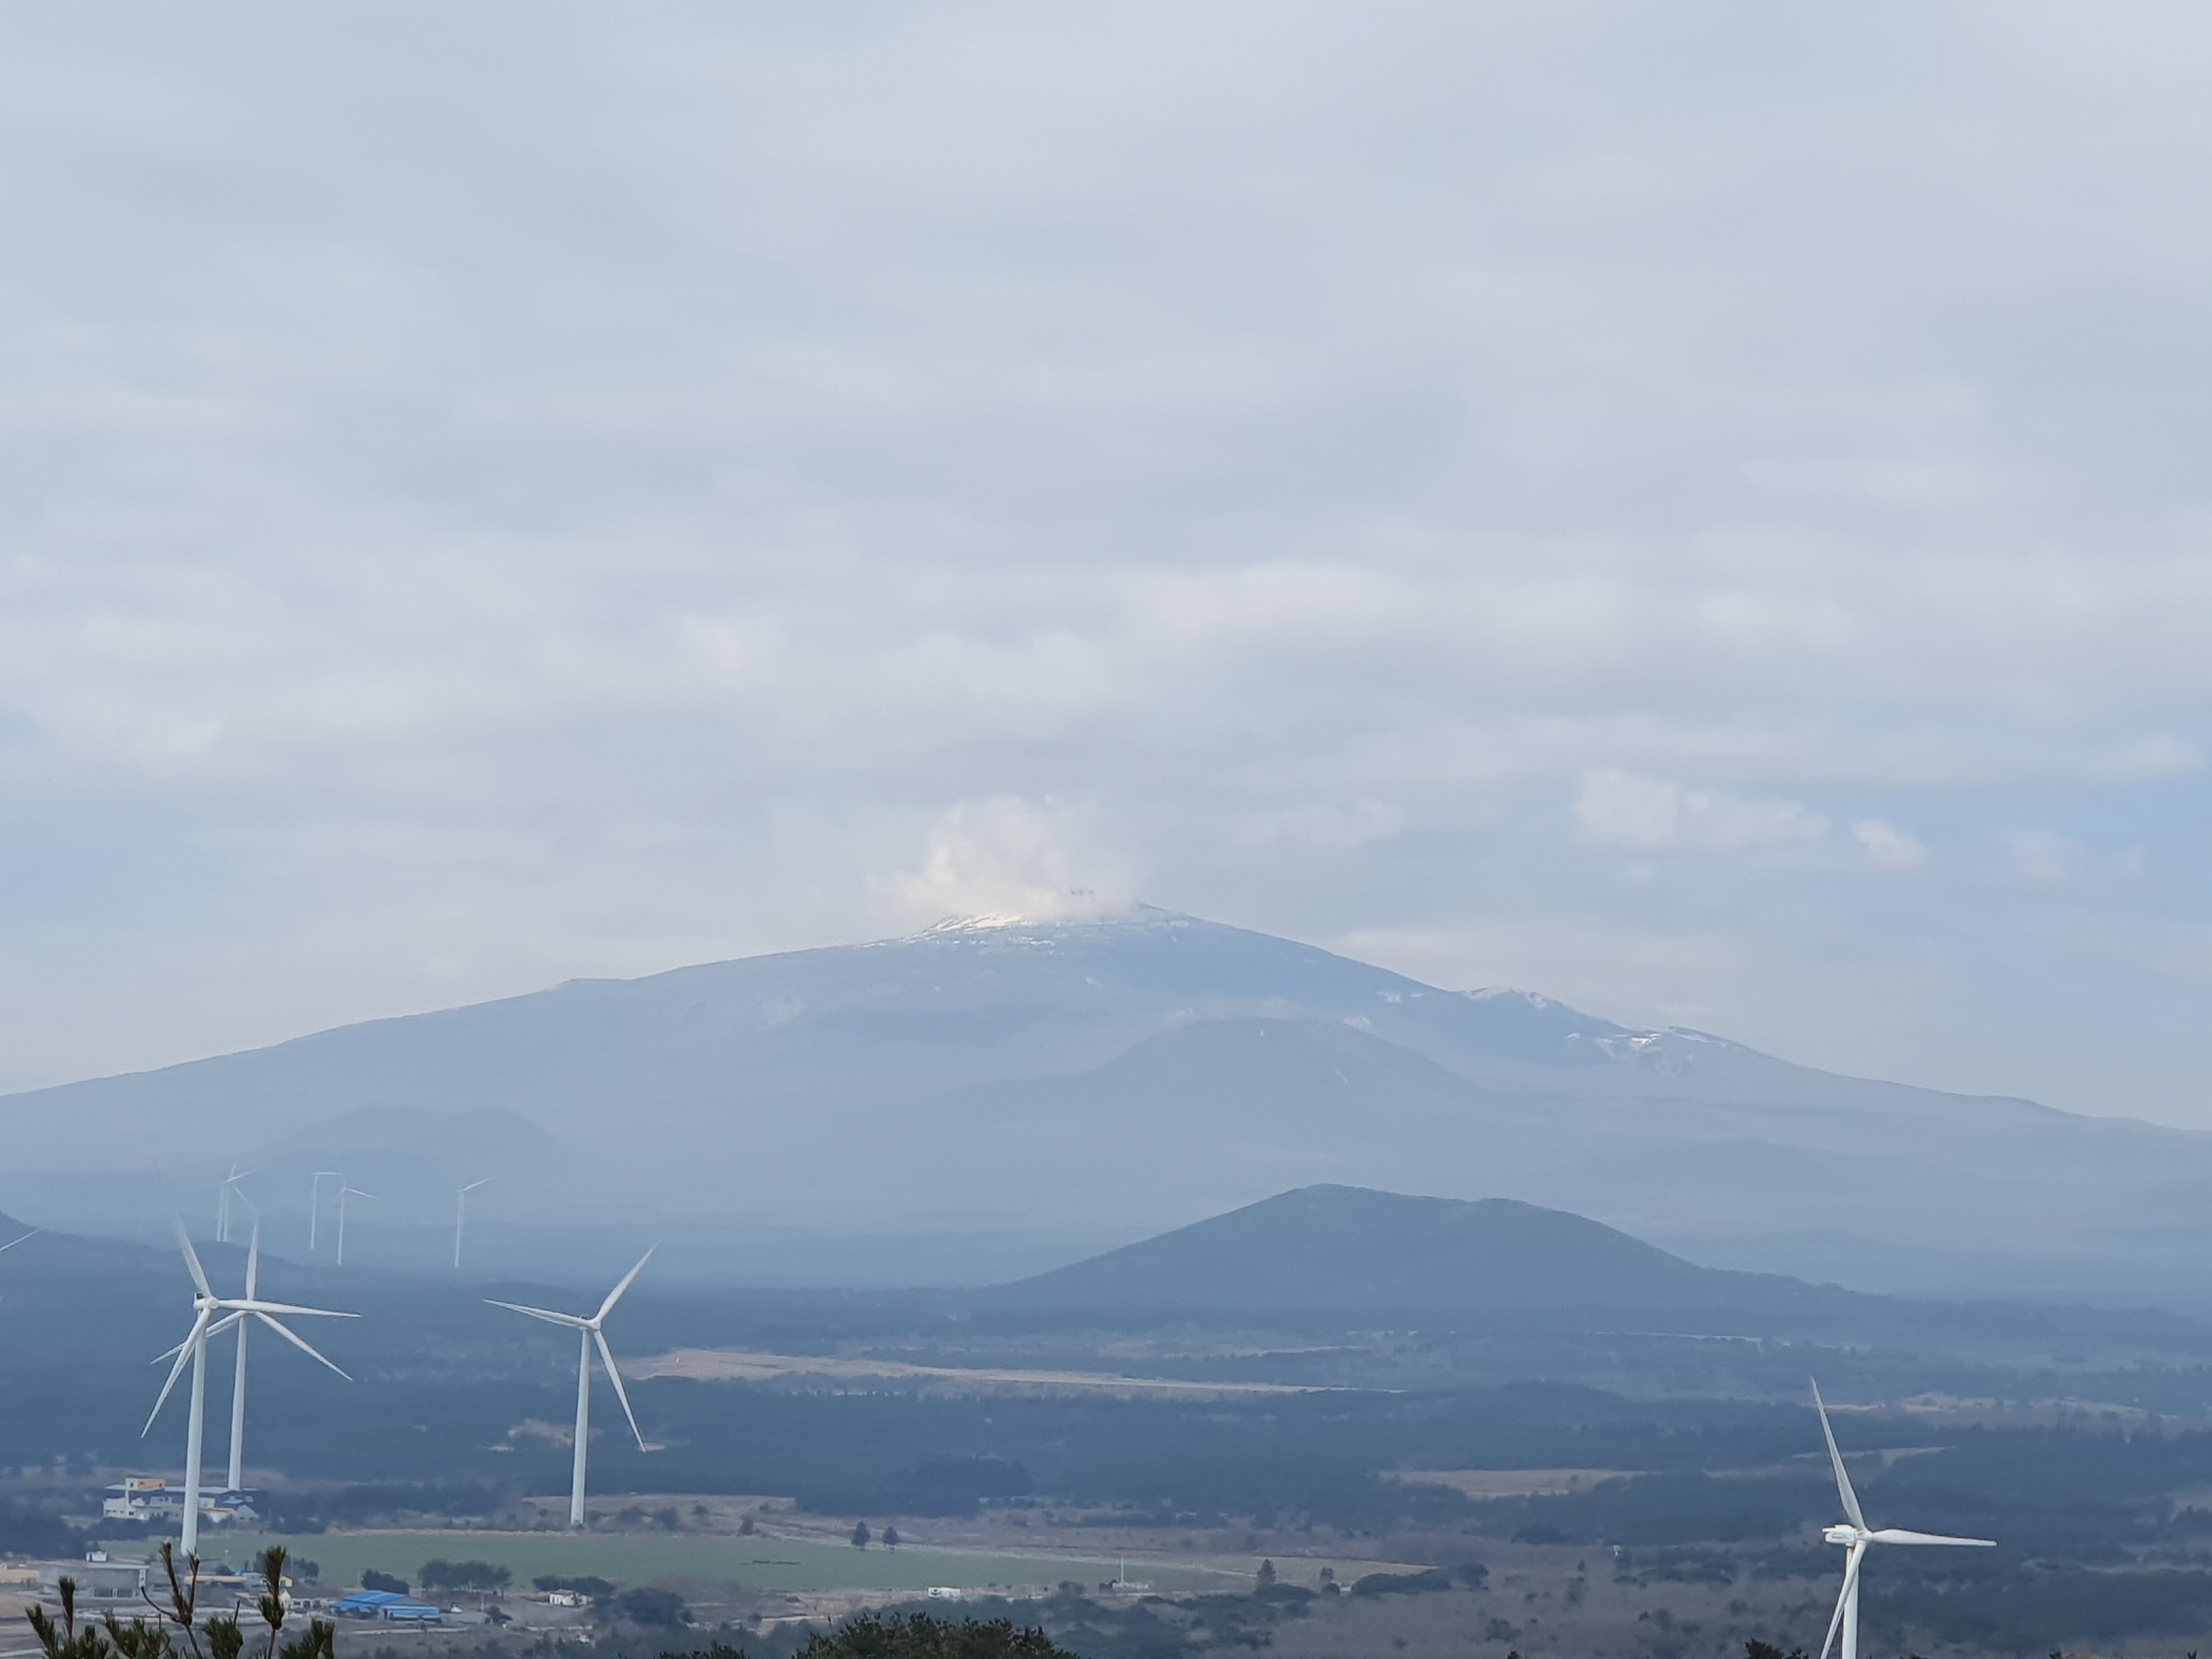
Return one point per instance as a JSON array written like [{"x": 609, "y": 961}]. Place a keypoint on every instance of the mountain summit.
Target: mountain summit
[{"x": 1104, "y": 1079}]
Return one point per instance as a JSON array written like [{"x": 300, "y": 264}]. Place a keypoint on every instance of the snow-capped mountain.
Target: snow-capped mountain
[{"x": 1107, "y": 1078}]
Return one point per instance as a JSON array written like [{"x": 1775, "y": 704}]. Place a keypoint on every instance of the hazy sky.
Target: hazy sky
[{"x": 1699, "y": 510}]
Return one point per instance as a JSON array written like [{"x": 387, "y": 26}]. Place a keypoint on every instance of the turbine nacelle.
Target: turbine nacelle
[{"x": 1846, "y": 1535}]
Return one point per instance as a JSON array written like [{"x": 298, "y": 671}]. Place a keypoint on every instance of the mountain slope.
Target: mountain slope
[{"x": 1099, "y": 1080}]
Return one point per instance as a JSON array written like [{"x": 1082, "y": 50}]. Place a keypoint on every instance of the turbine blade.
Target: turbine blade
[
  {"x": 13, "y": 1242},
  {"x": 191, "y": 1257},
  {"x": 546, "y": 1314},
  {"x": 296, "y": 1340},
  {"x": 253, "y": 1259},
  {"x": 1900, "y": 1535},
  {"x": 607, "y": 1359},
  {"x": 214, "y": 1331},
  {"x": 1843, "y": 1481},
  {"x": 183, "y": 1359},
  {"x": 616, "y": 1294},
  {"x": 1850, "y": 1576},
  {"x": 251, "y": 1306}
]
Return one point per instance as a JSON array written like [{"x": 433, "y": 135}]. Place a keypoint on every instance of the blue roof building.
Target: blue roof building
[{"x": 385, "y": 1604}]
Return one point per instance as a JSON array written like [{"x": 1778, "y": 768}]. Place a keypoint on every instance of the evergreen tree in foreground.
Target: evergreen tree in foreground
[{"x": 140, "y": 1638}]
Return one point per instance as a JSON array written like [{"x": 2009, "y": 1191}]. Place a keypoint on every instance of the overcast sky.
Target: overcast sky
[{"x": 1699, "y": 510}]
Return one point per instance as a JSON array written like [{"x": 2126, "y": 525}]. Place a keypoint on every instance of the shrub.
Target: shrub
[
  {"x": 442, "y": 1574},
  {"x": 649, "y": 1606},
  {"x": 1403, "y": 1584},
  {"x": 919, "y": 1636}
]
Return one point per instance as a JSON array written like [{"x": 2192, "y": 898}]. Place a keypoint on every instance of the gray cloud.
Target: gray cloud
[{"x": 495, "y": 495}]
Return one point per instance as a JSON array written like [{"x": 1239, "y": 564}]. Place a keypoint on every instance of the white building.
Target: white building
[{"x": 148, "y": 1498}]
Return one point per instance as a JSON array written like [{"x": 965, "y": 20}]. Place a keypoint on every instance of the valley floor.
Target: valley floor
[{"x": 1420, "y": 1595}]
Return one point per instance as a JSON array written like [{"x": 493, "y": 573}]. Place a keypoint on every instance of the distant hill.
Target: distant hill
[
  {"x": 48, "y": 1254},
  {"x": 1353, "y": 1259},
  {"x": 1032, "y": 1093},
  {"x": 1353, "y": 1251}
]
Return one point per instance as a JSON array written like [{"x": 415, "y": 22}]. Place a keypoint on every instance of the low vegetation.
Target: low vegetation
[{"x": 912, "y": 1636}]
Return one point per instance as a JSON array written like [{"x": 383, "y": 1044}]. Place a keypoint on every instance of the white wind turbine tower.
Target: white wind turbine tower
[
  {"x": 461, "y": 1212},
  {"x": 589, "y": 1332},
  {"x": 192, "y": 1351},
  {"x": 345, "y": 1192},
  {"x": 1858, "y": 1538}
]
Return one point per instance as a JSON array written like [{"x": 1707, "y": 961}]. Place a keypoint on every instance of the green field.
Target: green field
[{"x": 757, "y": 1563}]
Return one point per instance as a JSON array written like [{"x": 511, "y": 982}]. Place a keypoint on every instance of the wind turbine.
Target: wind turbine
[
  {"x": 192, "y": 1351},
  {"x": 589, "y": 1334},
  {"x": 315, "y": 1201},
  {"x": 238, "y": 1196},
  {"x": 223, "y": 1196},
  {"x": 237, "y": 1472},
  {"x": 1856, "y": 1536},
  {"x": 13, "y": 1242},
  {"x": 461, "y": 1212},
  {"x": 345, "y": 1192}
]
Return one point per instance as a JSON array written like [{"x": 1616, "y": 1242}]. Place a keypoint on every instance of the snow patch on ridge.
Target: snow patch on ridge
[{"x": 1145, "y": 918}]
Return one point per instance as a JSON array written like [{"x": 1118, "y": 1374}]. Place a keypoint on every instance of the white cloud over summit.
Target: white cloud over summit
[
  {"x": 1006, "y": 861},
  {"x": 1644, "y": 503}
]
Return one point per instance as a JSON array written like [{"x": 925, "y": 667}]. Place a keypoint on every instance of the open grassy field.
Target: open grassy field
[
  {"x": 752, "y": 1365},
  {"x": 756, "y": 1562}
]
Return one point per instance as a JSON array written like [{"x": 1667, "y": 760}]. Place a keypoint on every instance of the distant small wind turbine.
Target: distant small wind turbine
[
  {"x": 238, "y": 1197},
  {"x": 227, "y": 1193},
  {"x": 315, "y": 1201},
  {"x": 589, "y": 1332},
  {"x": 1854, "y": 1535},
  {"x": 345, "y": 1192},
  {"x": 192, "y": 1351},
  {"x": 461, "y": 1212}
]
